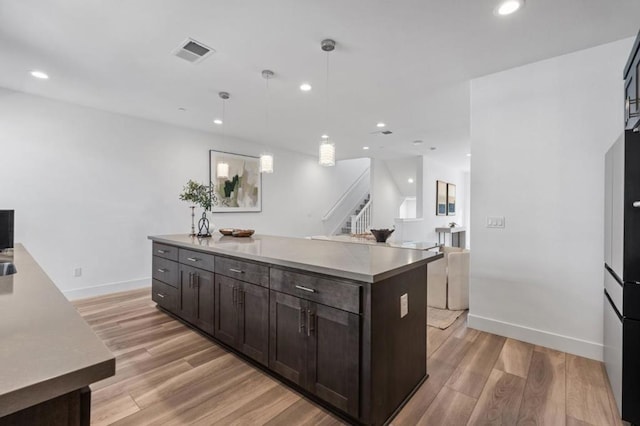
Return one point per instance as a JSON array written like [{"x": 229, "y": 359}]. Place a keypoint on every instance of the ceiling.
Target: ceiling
[{"x": 407, "y": 63}]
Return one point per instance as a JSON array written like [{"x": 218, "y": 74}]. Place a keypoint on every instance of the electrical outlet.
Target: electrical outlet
[
  {"x": 495, "y": 221},
  {"x": 77, "y": 272},
  {"x": 404, "y": 305}
]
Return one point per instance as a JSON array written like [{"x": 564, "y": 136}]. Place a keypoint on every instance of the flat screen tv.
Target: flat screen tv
[{"x": 6, "y": 229}]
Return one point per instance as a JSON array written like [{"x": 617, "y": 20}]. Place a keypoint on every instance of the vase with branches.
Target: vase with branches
[{"x": 198, "y": 194}]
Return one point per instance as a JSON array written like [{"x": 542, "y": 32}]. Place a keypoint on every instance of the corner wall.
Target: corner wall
[
  {"x": 538, "y": 138},
  {"x": 89, "y": 186}
]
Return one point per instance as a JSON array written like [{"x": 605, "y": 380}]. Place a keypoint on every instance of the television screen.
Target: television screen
[{"x": 6, "y": 229}]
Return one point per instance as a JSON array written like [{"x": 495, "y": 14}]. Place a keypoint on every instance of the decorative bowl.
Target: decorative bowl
[
  {"x": 382, "y": 234},
  {"x": 243, "y": 232},
  {"x": 226, "y": 231}
]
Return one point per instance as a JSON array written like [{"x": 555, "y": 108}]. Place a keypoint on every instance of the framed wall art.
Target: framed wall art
[
  {"x": 441, "y": 198},
  {"x": 451, "y": 199},
  {"x": 236, "y": 182}
]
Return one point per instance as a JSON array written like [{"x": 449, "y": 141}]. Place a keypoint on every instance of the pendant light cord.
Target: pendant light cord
[{"x": 326, "y": 101}]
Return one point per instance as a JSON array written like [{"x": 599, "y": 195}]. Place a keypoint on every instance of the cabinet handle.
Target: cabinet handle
[
  {"x": 235, "y": 295},
  {"x": 190, "y": 279},
  {"x": 163, "y": 251},
  {"x": 300, "y": 320},
  {"x": 160, "y": 295},
  {"x": 192, "y": 259},
  {"x": 311, "y": 317},
  {"x": 627, "y": 109},
  {"x": 310, "y": 290},
  {"x": 162, "y": 270},
  {"x": 636, "y": 204},
  {"x": 237, "y": 271},
  {"x": 196, "y": 282}
]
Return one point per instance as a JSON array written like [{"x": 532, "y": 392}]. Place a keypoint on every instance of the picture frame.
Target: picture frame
[
  {"x": 451, "y": 199},
  {"x": 236, "y": 182},
  {"x": 441, "y": 198}
]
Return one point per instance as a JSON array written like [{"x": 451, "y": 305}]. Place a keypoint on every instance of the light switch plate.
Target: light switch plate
[
  {"x": 404, "y": 305},
  {"x": 495, "y": 221}
]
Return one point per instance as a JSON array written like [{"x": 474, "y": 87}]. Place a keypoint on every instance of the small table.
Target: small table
[{"x": 458, "y": 235}]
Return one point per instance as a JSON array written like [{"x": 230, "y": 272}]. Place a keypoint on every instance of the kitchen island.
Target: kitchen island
[
  {"x": 48, "y": 353},
  {"x": 344, "y": 324}
]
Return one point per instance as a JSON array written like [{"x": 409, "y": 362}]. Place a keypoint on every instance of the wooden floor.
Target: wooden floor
[{"x": 169, "y": 374}]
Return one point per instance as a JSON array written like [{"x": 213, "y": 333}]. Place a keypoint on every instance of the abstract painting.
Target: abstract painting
[{"x": 236, "y": 182}]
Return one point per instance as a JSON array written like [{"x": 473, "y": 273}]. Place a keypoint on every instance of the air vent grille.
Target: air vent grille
[{"x": 193, "y": 51}]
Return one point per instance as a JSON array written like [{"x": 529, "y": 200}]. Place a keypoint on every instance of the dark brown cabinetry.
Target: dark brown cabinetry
[
  {"x": 632, "y": 88},
  {"x": 195, "y": 297},
  {"x": 242, "y": 316},
  {"x": 318, "y": 348}
]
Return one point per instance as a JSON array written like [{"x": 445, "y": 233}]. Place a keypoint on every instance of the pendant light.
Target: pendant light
[
  {"x": 266, "y": 159},
  {"x": 222, "y": 168},
  {"x": 327, "y": 157}
]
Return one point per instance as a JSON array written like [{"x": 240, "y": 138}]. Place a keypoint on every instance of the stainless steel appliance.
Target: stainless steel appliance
[{"x": 622, "y": 273}]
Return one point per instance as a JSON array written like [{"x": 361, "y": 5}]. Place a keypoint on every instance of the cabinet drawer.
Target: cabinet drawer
[
  {"x": 165, "y": 270},
  {"x": 243, "y": 270},
  {"x": 163, "y": 250},
  {"x": 164, "y": 295},
  {"x": 197, "y": 259},
  {"x": 328, "y": 292}
]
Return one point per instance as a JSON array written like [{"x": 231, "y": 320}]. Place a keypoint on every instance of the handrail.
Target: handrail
[
  {"x": 344, "y": 196},
  {"x": 361, "y": 222}
]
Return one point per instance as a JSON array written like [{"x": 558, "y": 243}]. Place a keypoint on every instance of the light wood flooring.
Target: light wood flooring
[{"x": 170, "y": 374}]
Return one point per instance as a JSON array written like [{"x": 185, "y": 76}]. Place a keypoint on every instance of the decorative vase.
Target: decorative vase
[{"x": 203, "y": 226}]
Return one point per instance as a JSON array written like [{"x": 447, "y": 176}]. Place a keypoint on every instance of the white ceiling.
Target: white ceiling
[{"x": 407, "y": 63}]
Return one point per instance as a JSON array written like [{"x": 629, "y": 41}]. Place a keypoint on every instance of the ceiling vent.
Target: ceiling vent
[{"x": 193, "y": 51}]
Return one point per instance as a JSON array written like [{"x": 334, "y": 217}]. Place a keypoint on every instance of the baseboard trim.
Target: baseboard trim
[
  {"x": 102, "y": 289},
  {"x": 555, "y": 341}
]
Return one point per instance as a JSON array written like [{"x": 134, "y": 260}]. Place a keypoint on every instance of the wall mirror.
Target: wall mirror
[{"x": 441, "y": 198}]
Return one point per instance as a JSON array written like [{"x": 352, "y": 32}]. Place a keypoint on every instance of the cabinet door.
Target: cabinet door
[
  {"x": 203, "y": 286},
  {"x": 333, "y": 356},
  {"x": 287, "y": 340},
  {"x": 253, "y": 312},
  {"x": 226, "y": 317},
  {"x": 186, "y": 294}
]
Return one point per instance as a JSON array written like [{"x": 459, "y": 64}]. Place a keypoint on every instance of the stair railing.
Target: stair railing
[{"x": 361, "y": 222}]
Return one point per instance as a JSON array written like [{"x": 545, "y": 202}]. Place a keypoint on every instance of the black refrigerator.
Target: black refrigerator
[{"x": 622, "y": 252}]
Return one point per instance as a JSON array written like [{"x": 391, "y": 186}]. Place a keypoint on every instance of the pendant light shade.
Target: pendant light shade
[
  {"x": 327, "y": 154},
  {"x": 266, "y": 163},
  {"x": 222, "y": 170}
]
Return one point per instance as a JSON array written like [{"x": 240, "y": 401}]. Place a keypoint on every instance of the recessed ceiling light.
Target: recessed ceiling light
[
  {"x": 410, "y": 180},
  {"x": 305, "y": 87},
  {"x": 325, "y": 136},
  {"x": 469, "y": 155},
  {"x": 418, "y": 142},
  {"x": 508, "y": 7},
  {"x": 365, "y": 147},
  {"x": 217, "y": 121},
  {"x": 39, "y": 74},
  {"x": 381, "y": 124}
]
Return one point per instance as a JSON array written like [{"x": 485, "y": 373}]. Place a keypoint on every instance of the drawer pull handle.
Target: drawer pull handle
[
  {"x": 162, "y": 271},
  {"x": 163, "y": 251},
  {"x": 160, "y": 295},
  {"x": 237, "y": 271},
  {"x": 636, "y": 204},
  {"x": 310, "y": 290},
  {"x": 192, "y": 259}
]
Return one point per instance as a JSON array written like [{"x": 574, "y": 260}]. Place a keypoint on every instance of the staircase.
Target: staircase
[{"x": 360, "y": 220}]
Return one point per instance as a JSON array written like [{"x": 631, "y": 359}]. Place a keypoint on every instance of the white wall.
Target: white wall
[
  {"x": 89, "y": 186},
  {"x": 385, "y": 196},
  {"x": 539, "y": 134}
]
